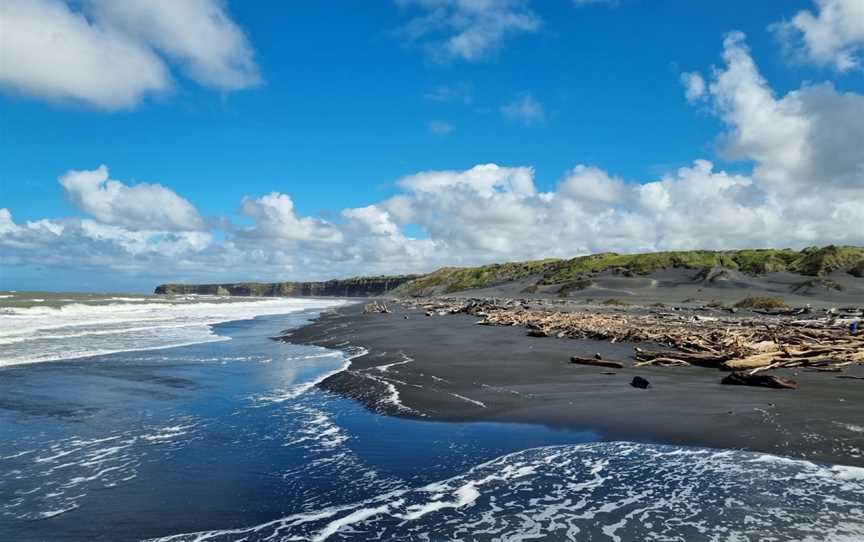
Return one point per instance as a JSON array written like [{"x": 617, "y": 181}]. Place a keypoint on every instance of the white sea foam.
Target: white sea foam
[
  {"x": 54, "y": 481},
  {"x": 469, "y": 400},
  {"x": 602, "y": 491},
  {"x": 94, "y": 327}
]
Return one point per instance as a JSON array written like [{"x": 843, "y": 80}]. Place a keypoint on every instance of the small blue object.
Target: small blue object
[{"x": 853, "y": 328}]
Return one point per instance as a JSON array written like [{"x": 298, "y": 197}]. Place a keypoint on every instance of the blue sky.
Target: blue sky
[{"x": 346, "y": 105}]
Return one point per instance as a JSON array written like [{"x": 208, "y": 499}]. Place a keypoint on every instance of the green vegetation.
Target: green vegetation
[
  {"x": 577, "y": 273},
  {"x": 455, "y": 279},
  {"x": 810, "y": 261},
  {"x": 821, "y": 261},
  {"x": 756, "y": 302}
]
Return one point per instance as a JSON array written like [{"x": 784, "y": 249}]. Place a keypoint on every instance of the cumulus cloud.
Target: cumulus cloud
[
  {"x": 466, "y": 29},
  {"x": 805, "y": 187},
  {"x": 806, "y": 139},
  {"x": 834, "y": 36},
  {"x": 111, "y": 54},
  {"x": 276, "y": 221},
  {"x": 525, "y": 109},
  {"x": 139, "y": 207}
]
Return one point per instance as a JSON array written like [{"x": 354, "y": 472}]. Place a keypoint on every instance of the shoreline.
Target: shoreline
[{"x": 445, "y": 368}]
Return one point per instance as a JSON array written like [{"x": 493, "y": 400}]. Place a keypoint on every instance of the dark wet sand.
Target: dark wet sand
[{"x": 459, "y": 371}]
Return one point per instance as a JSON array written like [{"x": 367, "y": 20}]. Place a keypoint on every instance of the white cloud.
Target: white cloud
[
  {"x": 467, "y": 29},
  {"x": 525, "y": 109},
  {"x": 592, "y": 185},
  {"x": 197, "y": 33},
  {"x": 808, "y": 138},
  {"x": 834, "y": 36},
  {"x": 110, "y": 54},
  {"x": 440, "y": 128},
  {"x": 139, "y": 207},
  {"x": 484, "y": 180},
  {"x": 694, "y": 86},
  {"x": 276, "y": 221},
  {"x": 53, "y": 52}
]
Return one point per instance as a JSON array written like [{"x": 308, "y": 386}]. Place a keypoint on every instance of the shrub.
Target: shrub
[{"x": 756, "y": 302}]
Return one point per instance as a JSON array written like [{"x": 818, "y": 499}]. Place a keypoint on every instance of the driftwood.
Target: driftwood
[
  {"x": 733, "y": 343},
  {"x": 764, "y": 381},
  {"x": 376, "y": 307},
  {"x": 596, "y": 362}
]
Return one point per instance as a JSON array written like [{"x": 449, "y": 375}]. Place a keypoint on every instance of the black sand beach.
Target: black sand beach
[{"x": 447, "y": 368}]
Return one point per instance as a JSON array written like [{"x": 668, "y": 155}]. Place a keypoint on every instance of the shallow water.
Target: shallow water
[{"x": 230, "y": 440}]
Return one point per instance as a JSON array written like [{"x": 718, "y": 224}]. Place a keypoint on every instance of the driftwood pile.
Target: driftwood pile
[
  {"x": 376, "y": 307},
  {"x": 732, "y": 343}
]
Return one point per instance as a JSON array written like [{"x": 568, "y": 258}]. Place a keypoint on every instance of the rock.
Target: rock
[
  {"x": 641, "y": 383},
  {"x": 596, "y": 362},
  {"x": 537, "y": 333},
  {"x": 759, "y": 380}
]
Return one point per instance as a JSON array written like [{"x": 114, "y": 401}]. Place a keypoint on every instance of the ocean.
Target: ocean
[{"x": 179, "y": 419}]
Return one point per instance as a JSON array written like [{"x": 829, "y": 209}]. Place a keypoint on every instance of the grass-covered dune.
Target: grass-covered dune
[{"x": 813, "y": 261}]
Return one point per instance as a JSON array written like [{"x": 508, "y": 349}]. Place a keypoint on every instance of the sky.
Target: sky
[{"x": 151, "y": 141}]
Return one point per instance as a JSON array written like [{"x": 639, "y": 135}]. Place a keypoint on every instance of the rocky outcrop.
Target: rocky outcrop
[{"x": 352, "y": 287}]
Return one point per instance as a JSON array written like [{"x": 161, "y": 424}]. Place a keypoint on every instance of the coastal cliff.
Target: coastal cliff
[{"x": 351, "y": 287}]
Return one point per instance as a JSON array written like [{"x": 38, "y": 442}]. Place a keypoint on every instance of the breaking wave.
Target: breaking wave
[{"x": 114, "y": 324}]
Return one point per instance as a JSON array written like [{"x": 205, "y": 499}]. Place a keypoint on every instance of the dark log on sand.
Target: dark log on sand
[
  {"x": 760, "y": 380},
  {"x": 596, "y": 362}
]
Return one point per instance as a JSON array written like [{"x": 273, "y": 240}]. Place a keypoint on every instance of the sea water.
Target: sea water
[{"x": 111, "y": 430}]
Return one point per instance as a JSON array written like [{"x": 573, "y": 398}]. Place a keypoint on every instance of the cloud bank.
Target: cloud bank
[{"x": 805, "y": 187}]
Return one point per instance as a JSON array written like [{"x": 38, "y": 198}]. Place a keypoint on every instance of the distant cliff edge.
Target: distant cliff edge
[{"x": 352, "y": 287}]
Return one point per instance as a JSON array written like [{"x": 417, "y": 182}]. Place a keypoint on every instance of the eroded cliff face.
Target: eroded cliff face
[{"x": 353, "y": 287}]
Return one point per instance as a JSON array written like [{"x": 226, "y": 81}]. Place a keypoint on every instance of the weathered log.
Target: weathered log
[
  {"x": 751, "y": 362},
  {"x": 759, "y": 380},
  {"x": 579, "y": 360},
  {"x": 663, "y": 362}
]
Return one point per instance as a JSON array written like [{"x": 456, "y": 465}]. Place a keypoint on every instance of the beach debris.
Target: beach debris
[
  {"x": 641, "y": 383},
  {"x": 376, "y": 307},
  {"x": 579, "y": 360},
  {"x": 732, "y": 343},
  {"x": 759, "y": 380}
]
